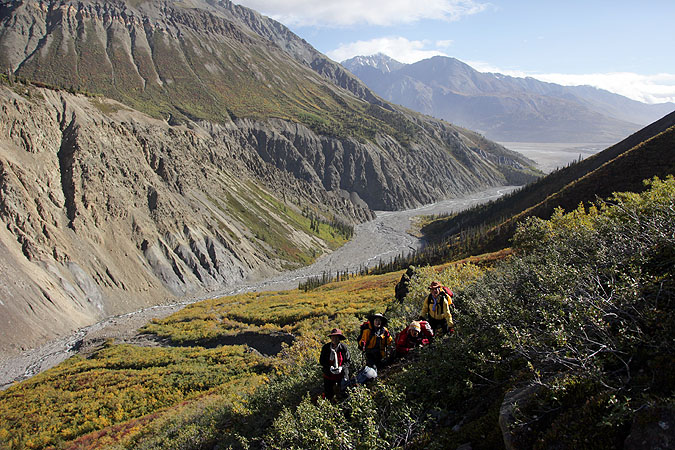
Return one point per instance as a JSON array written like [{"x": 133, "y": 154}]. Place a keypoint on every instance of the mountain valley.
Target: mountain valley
[
  {"x": 158, "y": 149},
  {"x": 192, "y": 197}
]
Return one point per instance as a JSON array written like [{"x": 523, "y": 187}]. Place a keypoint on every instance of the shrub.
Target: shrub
[{"x": 368, "y": 419}]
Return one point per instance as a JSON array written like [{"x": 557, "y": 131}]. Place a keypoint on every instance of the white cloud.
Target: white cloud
[
  {"x": 659, "y": 88},
  {"x": 444, "y": 44},
  {"x": 399, "y": 48},
  {"x": 359, "y": 12}
]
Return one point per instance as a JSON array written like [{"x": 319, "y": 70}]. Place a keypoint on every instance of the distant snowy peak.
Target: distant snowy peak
[{"x": 379, "y": 61}]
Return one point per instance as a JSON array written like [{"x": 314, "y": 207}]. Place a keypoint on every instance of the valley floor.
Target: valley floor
[{"x": 550, "y": 156}]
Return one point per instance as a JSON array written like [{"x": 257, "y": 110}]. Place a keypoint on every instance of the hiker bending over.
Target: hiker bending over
[
  {"x": 374, "y": 340},
  {"x": 334, "y": 360},
  {"x": 417, "y": 334},
  {"x": 437, "y": 307}
]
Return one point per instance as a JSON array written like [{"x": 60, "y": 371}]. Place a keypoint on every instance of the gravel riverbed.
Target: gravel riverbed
[{"x": 380, "y": 239}]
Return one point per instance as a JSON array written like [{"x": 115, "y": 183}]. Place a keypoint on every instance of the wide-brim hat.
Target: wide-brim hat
[
  {"x": 380, "y": 316},
  {"x": 337, "y": 332},
  {"x": 435, "y": 284}
]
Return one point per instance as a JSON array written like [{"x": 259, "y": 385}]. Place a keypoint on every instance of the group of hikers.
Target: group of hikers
[{"x": 378, "y": 346}]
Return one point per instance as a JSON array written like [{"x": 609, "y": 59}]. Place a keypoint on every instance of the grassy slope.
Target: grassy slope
[
  {"x": 122, "y": 383},
  {"x": 621, "y": 167}
]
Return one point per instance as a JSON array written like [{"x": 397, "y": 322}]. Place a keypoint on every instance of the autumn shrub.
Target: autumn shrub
[
  {"x": 584, "y": 310},
  {"x": 590, "y": 296},
  {"x": 117, "y": 384},
  {"x": 376, "y": 418}
]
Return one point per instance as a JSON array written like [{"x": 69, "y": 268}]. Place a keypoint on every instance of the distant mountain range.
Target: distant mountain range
[{"x": 502, "y": 107}]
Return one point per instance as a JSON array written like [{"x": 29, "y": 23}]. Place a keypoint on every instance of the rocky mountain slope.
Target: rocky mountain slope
[
  {"x": 106, "y": 210},
  {"x": 505, "y": 108},
  {"x": 158, "y": 149},
  {"x": 215, "y": 61}
]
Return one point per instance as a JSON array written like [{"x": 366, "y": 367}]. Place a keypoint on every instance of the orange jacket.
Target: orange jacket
[{"x": 370, "y": 338}]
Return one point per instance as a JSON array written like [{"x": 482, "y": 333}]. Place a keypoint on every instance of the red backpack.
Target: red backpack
[{"x": 449, "y": 293}]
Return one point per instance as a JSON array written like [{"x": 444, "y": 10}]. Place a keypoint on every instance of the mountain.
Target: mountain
[
  {"x": 378, "y": 63},
  {"x": 215, "y": 61},
  {"x": 505, "y": 108},
  {"x": 620, "y": 168},
  {"x": 152, "y": 150}
]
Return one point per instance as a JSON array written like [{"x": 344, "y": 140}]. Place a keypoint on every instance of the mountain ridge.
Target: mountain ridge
[
  {"x": 507, "y": 108},
  {"x": 622, "y": 167}
]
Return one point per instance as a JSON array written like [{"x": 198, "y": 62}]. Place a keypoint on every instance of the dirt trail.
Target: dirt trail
[{"x": 380, "y": 239}]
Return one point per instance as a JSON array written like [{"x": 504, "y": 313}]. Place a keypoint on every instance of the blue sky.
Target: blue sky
[{"x": 627, "y": 47}]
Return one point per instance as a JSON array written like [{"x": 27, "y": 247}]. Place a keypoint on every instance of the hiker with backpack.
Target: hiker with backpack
[
  {"x": 417, "y": 334},
  {"x": 374, "y": 341},
  {"x": 335, "y": 361},
  {"x": 436, "y": 307}
]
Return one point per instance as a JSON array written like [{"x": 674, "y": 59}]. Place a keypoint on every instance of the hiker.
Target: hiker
[
  {"x": 403, "y": 286},
  {"x": 335, "y": 361},
  {"x": 417, "y": 334},
  {"x": 374, "y": 341},
  {"x": 437, "y": 307}
]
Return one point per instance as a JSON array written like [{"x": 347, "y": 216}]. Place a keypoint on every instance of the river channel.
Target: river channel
[{"x": 380, "y": 239}]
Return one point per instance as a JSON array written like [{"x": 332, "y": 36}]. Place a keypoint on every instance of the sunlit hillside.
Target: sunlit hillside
[
  {"x": 490, "y": 226},
  {"x": 568, "y": 341}
]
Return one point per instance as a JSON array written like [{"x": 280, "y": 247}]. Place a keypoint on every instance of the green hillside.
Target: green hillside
[
  {"x": 568, "y": 343},
  {"x": 180, "y": 62},
  {"x": 489, "y": 227}
]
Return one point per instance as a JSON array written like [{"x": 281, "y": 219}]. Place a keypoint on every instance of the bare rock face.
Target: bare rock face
[
  {"x": 516, "y": 398},
  {"x": 385, "y": 174},
  {"x": 106, "y": 210}
]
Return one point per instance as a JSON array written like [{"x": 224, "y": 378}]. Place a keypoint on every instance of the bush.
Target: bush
[
  {"x": 367, "y": 420},
  {"x": 590, "y": 296}
]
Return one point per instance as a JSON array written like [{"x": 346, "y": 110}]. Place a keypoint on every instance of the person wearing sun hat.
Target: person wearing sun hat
[
  {"x": 375, "y": 340},
  {"x": 335, "y": 361},
  {"x": 437, "y": 307}
]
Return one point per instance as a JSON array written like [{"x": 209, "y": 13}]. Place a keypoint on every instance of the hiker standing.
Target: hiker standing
[
  {"x": 334, "y": 360},
  {"x": 374, "y": 340},
  {"x": 437, "y": 307},
  {"x": 417, "y": 334}
]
